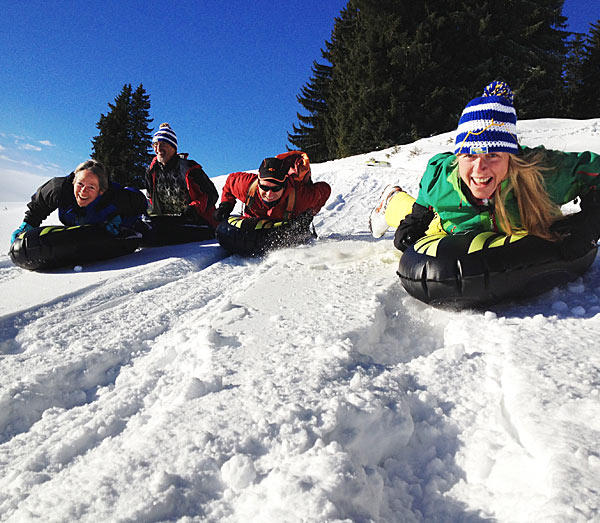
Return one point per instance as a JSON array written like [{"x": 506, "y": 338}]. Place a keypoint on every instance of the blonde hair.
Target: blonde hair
[{"x": 526, "y": 180}]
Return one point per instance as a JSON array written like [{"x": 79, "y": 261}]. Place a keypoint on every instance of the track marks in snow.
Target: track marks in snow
[
  {"x": 349, "y": 416},
  {"x": 8, "y": 270},
  {"x": 401, "y": 329},
  {"x": 135, "y": 383},
  {"x": 47, "y": 344},
  {"x": 325, "y": 402},
  {"x": 338, "y": 202},
  {"x": 497, "y": 383},
  {"x": 402, "y": 335},
  {"x": 354, "y": 393}
]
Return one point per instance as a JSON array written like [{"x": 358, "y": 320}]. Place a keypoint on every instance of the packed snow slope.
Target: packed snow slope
[{"x": 181, "y": 384}]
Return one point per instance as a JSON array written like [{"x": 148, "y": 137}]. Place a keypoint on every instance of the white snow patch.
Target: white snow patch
[{"x": 177, "y": 384}]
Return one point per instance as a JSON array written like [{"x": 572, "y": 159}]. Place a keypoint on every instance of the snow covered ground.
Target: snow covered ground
[{"x": 178, "y": 384}]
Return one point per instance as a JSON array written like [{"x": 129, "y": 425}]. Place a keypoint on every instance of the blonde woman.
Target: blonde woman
[{"x": 490, "y": 183}]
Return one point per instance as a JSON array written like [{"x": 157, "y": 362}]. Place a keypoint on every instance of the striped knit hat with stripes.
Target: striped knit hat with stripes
[
  {"x": 488, "y": 123},
  {"x": 165, "y": 134}
]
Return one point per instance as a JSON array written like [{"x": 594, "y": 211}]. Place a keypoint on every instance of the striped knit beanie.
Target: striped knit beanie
[
  {"x": 488, "y": 123},
  {"x": 165, "y": 134}
]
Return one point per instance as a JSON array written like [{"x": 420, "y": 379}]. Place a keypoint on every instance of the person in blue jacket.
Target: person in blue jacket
[{"x": 86, "y": 196}]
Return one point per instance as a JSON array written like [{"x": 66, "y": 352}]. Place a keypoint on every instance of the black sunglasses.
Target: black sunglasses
[{"x": 272, "y": 188}]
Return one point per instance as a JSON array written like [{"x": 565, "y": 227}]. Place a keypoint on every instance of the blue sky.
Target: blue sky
[{"x": 225, "y": 75}]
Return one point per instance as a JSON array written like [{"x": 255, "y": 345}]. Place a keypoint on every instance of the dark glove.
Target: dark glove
[
  {"x": 190, "y": 214},
  {"x": 223, "y": 211},
  {"x": 412, "y": 227},
  {"x": 590, "y": 207},
  {"x": 579, "y": 231},
  {"x": 575, "y": 245},
  {"x": 113, "y": 225},
  {"x": 303, "y": 220},
  {"x": 24, "y": 227}
]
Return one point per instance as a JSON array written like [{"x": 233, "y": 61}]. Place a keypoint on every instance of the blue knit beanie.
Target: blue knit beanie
[
  {"x": 165, "y": 134},
  {"x": 488, "y": 123}
]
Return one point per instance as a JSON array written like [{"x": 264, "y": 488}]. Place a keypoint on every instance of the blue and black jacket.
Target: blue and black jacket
[{"x": 58, "y": 193}]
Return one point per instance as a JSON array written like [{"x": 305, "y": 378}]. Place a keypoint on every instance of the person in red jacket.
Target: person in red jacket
[{"x": 273, "y": 193}]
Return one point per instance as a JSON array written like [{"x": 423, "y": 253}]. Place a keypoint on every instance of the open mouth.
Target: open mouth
[{"x": 481, "y": 182}]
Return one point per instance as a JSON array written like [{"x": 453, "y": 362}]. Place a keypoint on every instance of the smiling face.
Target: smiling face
[
  {"x": 482, "y": 173},
  {"x": 269, "y": 192},
  {"x": 164, "y": 151},
  {"x": 86, "y": 187}
]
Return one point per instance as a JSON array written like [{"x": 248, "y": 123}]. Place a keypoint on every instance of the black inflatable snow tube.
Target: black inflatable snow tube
[
  {"x": 248, "y": 236},
  {"x": 174, "y": 229},
  {"x": 476, "y": 269},
  {"x": 52, "y": 247}
]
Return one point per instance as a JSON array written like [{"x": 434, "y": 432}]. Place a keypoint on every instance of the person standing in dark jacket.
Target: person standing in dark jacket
[
  {"x": 86, "y": 196},
  {"x": 176, "y": 185}
]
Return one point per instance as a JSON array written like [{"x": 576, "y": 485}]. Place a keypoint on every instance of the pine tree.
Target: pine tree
[
  {"x": 345, "y": 101},
  {"x": 587, "y": 97},
  {"x": 141, "y": 133},
  {"x": 401, "y": 69},
  {"x": 572, "y": 76},
  {"x": 309, "y": 134},
  {"x": 527, "y": 48},
  {"x": 317, "y": 132},
  {"x": 124, "y": 140}
]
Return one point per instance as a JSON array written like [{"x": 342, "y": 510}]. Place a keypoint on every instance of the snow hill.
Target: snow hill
[{"x": 178, "y": 384}]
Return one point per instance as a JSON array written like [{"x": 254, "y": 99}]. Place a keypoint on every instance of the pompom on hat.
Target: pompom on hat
[
  {"x": 488, "y": 123},
  {"x": 165, "y": 134}
]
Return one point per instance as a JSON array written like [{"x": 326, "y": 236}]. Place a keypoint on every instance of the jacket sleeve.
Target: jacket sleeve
[
  {"x": 436, "y": 174},
  {"x": 311, "y": 197},
  {"x": 203, "y": 193},
  {"x": 570, "y": 174},
  {"x": 44, "y": 202},
  {"x": 130, "y": 201},
  {"x": 236, "y": 187},
  {"x": 148, "y": 181}
]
